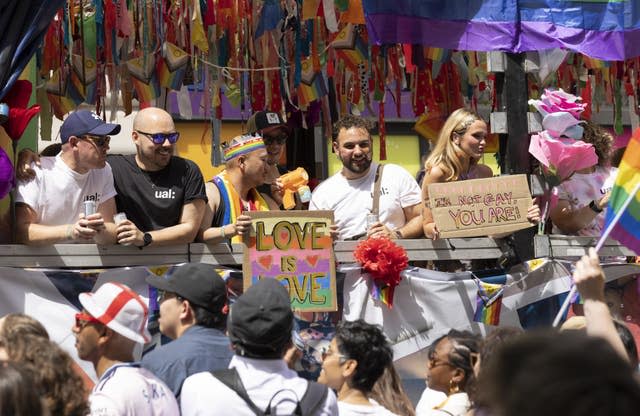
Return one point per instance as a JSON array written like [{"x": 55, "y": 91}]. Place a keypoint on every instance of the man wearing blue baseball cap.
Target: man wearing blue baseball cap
[
  {"x": 162, "y": 195},
  {"x": 71, "y": 198}
]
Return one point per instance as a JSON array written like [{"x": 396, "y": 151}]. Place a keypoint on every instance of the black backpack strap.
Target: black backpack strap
[
  {"x": 313, "y": 398},
  {"x": 230, "y": 378}
]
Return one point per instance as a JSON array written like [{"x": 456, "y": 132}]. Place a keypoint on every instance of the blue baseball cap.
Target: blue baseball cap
[{"x": 83, "y": 122}]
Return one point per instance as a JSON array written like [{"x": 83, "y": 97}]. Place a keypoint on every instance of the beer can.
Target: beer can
[
  {"x": 89, "y": 208},
  {"x": 371, "y": 219}
]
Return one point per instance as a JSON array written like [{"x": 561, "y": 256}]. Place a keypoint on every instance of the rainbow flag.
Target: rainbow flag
[
  {"x": 604, "y": 29},
  {"x": 351, "y": 47},
  {"x": 312, "y": 85},
  {"x": 172, "y": 67},
  {"x": 489, "y": 303},
  {"x": 625, "y": 192}
]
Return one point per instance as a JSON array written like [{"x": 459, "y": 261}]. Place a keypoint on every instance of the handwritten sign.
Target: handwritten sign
[
  {"x": 480, "y": 207},
  {"x": 295, "y": 248}
]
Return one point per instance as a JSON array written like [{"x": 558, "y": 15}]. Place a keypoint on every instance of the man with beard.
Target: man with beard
[
  {"x": 162, "y": 195},
  {"x": 350, "y": 192},
  {"x": 50, "y": 208},
  {"x": 233, "y": 191}
]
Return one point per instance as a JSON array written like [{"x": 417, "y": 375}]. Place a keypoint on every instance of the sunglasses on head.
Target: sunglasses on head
[
  {"x": 159, "y": 138},
  {"x": 100, "y": 141}
]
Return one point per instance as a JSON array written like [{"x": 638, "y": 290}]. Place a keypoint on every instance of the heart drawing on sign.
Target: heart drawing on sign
[
  {"x": 312, "y": 260},
  {"x": 265, "y": 262}
]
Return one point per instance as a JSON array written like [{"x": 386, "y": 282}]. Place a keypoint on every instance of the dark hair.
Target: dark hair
[
  {"x": 553, "y": 374},
  {"x": 51, "y": 150},
  {"x": 20, "y": 324},
  {"x": 62, "y": 388},
  {"x": 18, "y": 397},
  {"x": 350, "y": 121},
  {"x": 488, "y": 348},
  {"x": 208, "y": 319},
  {"x": 627, "y": 340},
  {"x": 367, "y": 345},
  {"x": 390, "y": 394},
  {"x": 494, "y": 340},
  {"x": 463, "y": 345},
  {"x": 601, "y": 140}
]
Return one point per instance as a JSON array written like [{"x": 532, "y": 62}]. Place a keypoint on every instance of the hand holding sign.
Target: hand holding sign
[{"x": 481, "y": 207}]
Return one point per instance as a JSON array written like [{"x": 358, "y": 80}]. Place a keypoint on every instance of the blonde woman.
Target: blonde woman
[{"x": 455, "y": 158}]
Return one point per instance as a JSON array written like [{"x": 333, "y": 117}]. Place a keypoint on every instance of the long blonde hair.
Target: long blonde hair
[{"x": 446, "y": 152}]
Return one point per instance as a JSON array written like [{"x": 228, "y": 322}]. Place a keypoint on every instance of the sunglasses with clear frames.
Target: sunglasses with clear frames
[
  {"x": 159, "y": 138},
  {"x": 433, "y": 362},
  {"x": 100, "y": 141},
  {"x": 326, "y": 352},
  {"x": 164, "y": 295}
]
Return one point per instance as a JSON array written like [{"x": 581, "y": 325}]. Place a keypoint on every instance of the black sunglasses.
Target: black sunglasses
[
  {"x": 100, "y": 141},
  {"x": 159, "y": 138}
]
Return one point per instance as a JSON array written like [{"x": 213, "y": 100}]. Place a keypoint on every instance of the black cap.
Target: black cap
[
  {"x": 261, "y": 320},
  {"x": 263, "y": 120},
  {"x": 198, "y": 283}
]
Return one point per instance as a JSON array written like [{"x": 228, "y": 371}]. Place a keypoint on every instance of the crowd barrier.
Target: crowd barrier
[{"x": 90, "y": 255}]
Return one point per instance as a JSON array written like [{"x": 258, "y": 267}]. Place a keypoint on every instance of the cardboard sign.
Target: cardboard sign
[
  {"x": 296, "y": 248},
  {"x": 480, "y": 207}
]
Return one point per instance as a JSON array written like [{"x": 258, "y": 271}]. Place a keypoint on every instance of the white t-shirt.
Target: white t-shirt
[
  {"x": 351, "y": 200},
  {"x": 127, "y": 389},
  {"x": 264, "y": 380},
  {"x": 57, "y": 193},
  {"x": 582, "y": 188},
  {"x": 348, "y": 409},
  {"x": 429, "y": 399},
  {"x": 456, "y": 404}
]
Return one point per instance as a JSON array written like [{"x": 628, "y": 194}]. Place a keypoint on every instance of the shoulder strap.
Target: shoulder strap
[
  {"x": 313, "y": 398},
  {"x": 230, "y": 378},
  {"x": 376, "y": 190}
]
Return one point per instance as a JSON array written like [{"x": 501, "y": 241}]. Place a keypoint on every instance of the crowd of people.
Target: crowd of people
[{"x": 238, "y": 358}]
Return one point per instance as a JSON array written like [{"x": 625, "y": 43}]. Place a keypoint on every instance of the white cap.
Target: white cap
[{"x": 119, "y": 308}]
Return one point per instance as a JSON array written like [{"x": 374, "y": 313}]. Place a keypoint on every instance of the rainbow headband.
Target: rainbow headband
[{"x": 243, "y": 147}]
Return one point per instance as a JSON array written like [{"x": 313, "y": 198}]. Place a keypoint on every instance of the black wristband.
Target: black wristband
[{"x": 594, "y": 207}]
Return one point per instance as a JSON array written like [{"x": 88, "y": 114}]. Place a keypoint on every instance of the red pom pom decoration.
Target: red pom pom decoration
[{"x": 383, "y": 260}]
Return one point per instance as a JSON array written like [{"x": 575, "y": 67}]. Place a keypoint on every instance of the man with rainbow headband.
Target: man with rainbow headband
[{"x": 233, "y": 191}]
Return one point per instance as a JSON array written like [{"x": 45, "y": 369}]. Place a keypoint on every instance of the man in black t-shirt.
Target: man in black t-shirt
[{"x": 162, "y": 195}]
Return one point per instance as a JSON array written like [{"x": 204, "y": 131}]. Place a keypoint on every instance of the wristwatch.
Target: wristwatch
[
  {"x": 147, "y": 239},
  {"x": 397, "y": 234},
  {"x": 594, "y": 207}
]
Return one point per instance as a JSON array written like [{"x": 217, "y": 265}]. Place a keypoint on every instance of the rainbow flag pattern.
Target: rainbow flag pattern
[
  {"x": 351, "y": 47},
  {"x": 603, "y": 29},
  {"x": 627, "y": 229},
  {"x": 382, "y": 293},
  {"x": 231, "y": 201},
  {"x": 489, "y": 303},
  {"x": 172, "y": 67}
]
